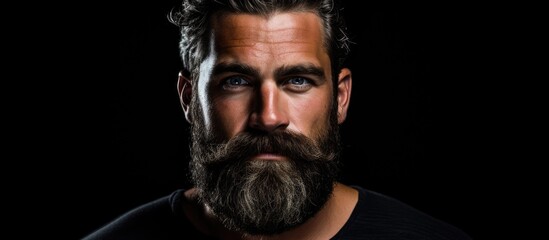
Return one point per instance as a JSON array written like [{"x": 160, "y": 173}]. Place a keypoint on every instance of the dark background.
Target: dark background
[{"x": 421, "y": 124}]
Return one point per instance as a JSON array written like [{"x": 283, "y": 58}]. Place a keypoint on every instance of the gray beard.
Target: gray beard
[{"x": 264, "y": 197}]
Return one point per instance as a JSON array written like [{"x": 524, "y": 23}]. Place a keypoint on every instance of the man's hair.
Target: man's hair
[{"x": 194, "y": 18}]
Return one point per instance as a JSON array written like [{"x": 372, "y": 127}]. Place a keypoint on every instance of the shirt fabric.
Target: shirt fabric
[{"x": 375, "y": 217}]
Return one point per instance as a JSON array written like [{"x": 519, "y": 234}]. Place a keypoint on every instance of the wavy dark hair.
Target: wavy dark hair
[{"x": 193, "y": 18}]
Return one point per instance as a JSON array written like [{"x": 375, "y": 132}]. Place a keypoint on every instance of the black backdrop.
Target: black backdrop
[{"x": 418, "y": 127}]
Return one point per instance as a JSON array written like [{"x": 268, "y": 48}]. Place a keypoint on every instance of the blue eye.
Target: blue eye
[
  {"x": 299, "y": 84},
  {"x": 298, "y": 81},
  {"x": 236, "y": 81}
]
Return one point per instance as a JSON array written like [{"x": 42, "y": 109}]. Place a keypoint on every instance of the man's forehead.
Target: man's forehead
[
  {"x": 268, "y": 43},
  {"x": 280, "y": 27}
]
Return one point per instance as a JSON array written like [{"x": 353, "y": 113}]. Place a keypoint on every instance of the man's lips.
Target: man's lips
[{"x": 269, "y": 156}]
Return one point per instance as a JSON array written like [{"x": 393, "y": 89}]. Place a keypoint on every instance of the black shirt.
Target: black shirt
[{"x": 375, "y": 217}]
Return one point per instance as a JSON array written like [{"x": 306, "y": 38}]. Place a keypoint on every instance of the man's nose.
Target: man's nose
[{"x": 270, "y": 110}]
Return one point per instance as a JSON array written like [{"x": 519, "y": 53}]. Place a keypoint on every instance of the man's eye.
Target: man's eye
[
  {"x": 299, "y": 84},
  {"x": 298, "y": 81},
  {"x": 233, "y": 82}
]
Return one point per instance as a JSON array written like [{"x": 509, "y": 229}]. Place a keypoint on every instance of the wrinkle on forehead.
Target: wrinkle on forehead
[{"x": 265, "y": 32}]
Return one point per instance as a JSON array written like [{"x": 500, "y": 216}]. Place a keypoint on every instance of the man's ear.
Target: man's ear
[
  {"x": 344, "y": 85},
  {"x": 185, "y": 91}
]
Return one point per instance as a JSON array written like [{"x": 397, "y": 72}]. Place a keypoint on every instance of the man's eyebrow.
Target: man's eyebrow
[
  {"x": 300, "y": 69},
  {"x": 236, "y": 68},
  {"x": 286, "y": 70}
]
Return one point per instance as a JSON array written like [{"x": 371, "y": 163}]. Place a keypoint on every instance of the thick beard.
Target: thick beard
[{"x": 263, "y": 196}]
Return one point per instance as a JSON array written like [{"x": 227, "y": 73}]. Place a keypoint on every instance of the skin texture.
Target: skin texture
[
  {"x": 268, "y": 103},
  {"x": 269, "y": 73}
]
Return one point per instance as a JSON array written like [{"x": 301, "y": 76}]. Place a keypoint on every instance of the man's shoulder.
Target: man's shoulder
[
  {"x": 383, "y": 216},
  {"x": 157, "y": 219}
]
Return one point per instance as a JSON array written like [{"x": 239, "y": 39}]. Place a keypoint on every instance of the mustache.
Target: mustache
[{"x": 294, "y": 146}]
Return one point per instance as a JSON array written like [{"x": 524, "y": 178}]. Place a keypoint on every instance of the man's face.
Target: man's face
[
  {"x": 264, "y": 123},
  {"x": 267, "y": 74}
]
